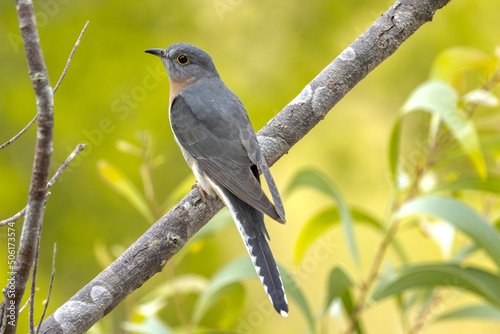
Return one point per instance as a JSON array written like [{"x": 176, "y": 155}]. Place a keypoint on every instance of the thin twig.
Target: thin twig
[
  {"x": 54, "y": 178},
  {"x": 24, "y": 306},
  {"x": 70, "y": 58},
  {"x": 44, "y": 97},
  {"x": 13, "y": 218},
  {"x": 50, "y": 287},
  {"x": 65, "y": 164},
  {"x": 372, "y": 277},
  {"x": 20, "y": 133},
  {"x": 53, "y": 92},
  {"x": 424, "y": 315},
  {"x": 33, "y": 284}
]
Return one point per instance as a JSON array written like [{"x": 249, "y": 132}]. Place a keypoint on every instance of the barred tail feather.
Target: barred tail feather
[
  {"x": 250, "y": 223},
  {"x": 267, "y": 270}
]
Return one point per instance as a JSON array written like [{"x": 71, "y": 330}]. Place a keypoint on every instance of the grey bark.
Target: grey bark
[
  {"x": 149, "y": 254},
  {"x": 40, "y": 173}
]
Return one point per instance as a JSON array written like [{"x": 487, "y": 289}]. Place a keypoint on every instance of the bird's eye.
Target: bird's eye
[{"x": 183, "y": 59}]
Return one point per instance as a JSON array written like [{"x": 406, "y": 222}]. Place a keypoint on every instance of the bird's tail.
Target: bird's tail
[{"x": 250, "y": 223}]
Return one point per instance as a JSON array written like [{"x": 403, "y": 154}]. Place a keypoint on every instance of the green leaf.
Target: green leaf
[
  {"x": 394, "y": 150},
  {"x": 491, "y": 185},
  {"x": 330, "y": 217},
  {"x": 294, "y": 291},
  {"x": 214, "y": 331},
  {"x": 122, "y": 185},
  {"x": 233, "y": 272},
  {"x": 339, "y": 285},
  {"x": 481, "y": 97},
  {"x": 459, "y": 215},
  {"x": 182, "y": 284},
  {"x": 317, "y": 180},
  {"x": 463, "y": 253},
  {"x": 475, "y": 280},
  {"x": 237, "y": 270},
  {"x": 233, "y": 303},
  {"x": 127, "y": 147},
  {"x": 482, "y": 311},
  {"x": 452, "y": 64},
  {"x": 150, "y": 325},
  {"x": 489, "y": 144},
  {"x": 439, "y": 98},
  {"x": 316, "y": 226}
]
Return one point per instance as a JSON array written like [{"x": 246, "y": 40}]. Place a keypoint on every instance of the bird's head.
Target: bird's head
[{"x": 185, "y": 62}]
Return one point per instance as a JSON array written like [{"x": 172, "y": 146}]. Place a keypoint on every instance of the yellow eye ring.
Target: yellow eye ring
[{"x": 183, "y": 59}]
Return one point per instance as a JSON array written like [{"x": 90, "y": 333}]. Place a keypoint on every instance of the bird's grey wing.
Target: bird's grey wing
[
  {"x": 211, "y": 136},
  {"x": 249, "y": 140}
]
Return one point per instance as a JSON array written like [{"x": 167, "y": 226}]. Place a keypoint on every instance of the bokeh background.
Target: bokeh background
[{"x": 266, "y": 52}]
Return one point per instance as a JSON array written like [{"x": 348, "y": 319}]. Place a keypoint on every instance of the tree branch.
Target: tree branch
[
  {"x": 149, "y": 254},
  {"x": 50, "y": 288},
  {"x": 54, "y": 90},
  {"x": 38, "y": 185},
  {"x": 7, "y": 143},
  {"x": 54, "y": 178},
  {"x": 70, "y": 58}
]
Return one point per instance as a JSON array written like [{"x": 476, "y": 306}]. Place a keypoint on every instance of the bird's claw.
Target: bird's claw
[{"x": 202, "y": 192}]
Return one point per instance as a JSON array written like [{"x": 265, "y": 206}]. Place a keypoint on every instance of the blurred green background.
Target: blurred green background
[{"x": 266, "y": 52}]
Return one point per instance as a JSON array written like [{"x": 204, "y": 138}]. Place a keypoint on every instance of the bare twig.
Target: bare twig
[
  {"x": 424, "y": 315},
  {"x": 33, "y": 285},
  {"x": 50, "y": 288},
  {"x": 54, "y": 178},
  {"x": 70, "y": 58},
  {"x": 149, "y": 254},
  {"x": 54, "y": 91},
  {"x": 13, "y": 218},
  {"x": 372, "y": 277},
  {"x": 41, "y": 165},
  {"x": 65, "y": 164},
  {"x": 20, "y": 133},
  {"x": 24, "y": 306}
]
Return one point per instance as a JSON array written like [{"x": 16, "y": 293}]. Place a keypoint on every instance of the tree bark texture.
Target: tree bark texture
[
  {"x": 40, "y": 173},
  {"x": 149, "y": 254}
]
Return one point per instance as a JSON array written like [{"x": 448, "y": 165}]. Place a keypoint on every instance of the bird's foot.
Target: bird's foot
[{"x": 202, "y": 192}]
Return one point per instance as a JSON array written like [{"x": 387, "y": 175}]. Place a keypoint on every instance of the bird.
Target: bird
[{"x": 218, "y": 142}]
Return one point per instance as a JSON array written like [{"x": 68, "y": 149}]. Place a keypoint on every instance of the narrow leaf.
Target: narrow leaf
[
  {"x": 394, "y": 150},
  {"x": 319, "y": 181},
  {"x": 482, "y": 311},
  {"x": 452, "y": 64},
  {"x": 182, "y": 284},
  {"x": 459, "y": 215},
  {"x": 439, "y": 98},
  {"x": 233, "y": 272},
  {"x": 294, "y": 291},
  {"x": 233, "y": 304},
  {"x": 240, "y": 269},
  {"x": 129, "y": 148},
  {"x": 150, "y": 325},
  {"x": 481, "y": 97},
  {"x": 475, "y": 280},
  {"x": 330, "y": 217},
  {"x": 491, "y": 185},
  {"x": 122, "y": 185},
  {"x": 313, "y": 229}
]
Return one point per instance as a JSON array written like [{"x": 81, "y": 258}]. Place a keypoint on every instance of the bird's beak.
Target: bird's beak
[{"x": 156, "y": 52}]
